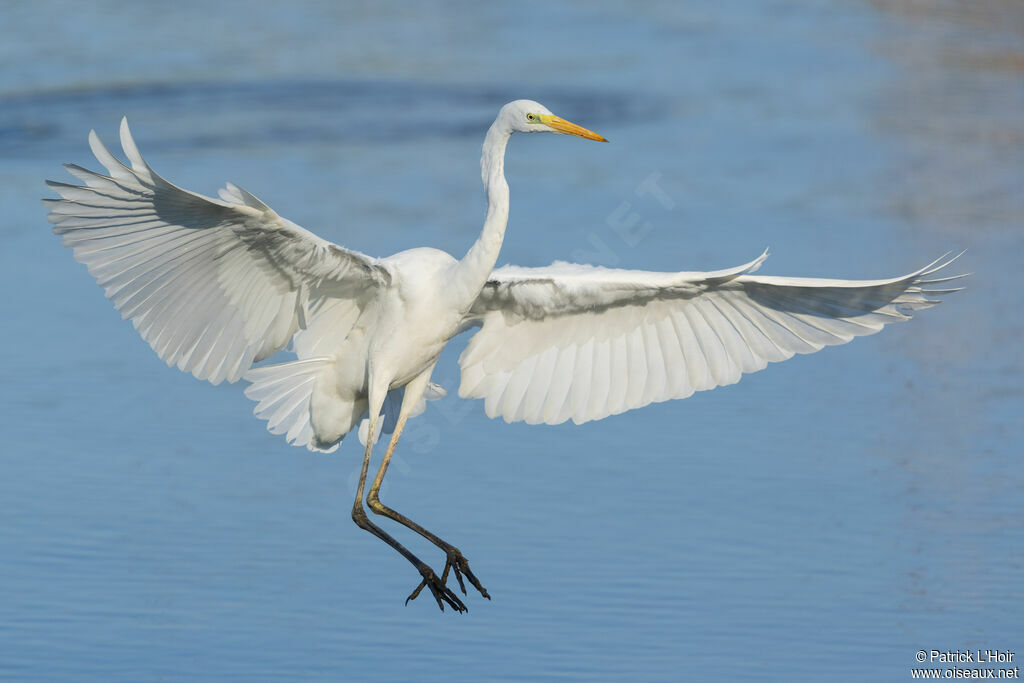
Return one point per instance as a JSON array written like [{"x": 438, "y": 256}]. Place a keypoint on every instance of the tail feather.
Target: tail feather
[
  {"x": 283, "y": 394},
  {"x": 287, "y": 396}
]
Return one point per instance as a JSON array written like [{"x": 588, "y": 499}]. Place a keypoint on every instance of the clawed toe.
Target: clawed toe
[
  {"x": 457, "y": 562},
  {"x": 439, "y": 589}
]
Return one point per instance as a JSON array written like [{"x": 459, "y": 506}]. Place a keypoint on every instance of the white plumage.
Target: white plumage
[
  {"x": 216, "y": 285},
  {"x": 212, "y": 285},
  {"x": 581, "y": 343}
]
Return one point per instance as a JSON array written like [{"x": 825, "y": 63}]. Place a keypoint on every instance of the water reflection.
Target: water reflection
[
  {"x": 955, "y": 114},
  {"x": 287, "y": 112},
  {"x": 954, "y": 119}
]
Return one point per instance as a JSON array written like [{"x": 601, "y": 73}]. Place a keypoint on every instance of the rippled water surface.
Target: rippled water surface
[{"x": 822, "y": 520}]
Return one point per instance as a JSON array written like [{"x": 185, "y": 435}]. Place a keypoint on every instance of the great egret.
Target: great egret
[{"x": 215, "y": 285}]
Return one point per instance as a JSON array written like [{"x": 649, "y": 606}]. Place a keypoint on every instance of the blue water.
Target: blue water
[{"x": 822, "y": 520}]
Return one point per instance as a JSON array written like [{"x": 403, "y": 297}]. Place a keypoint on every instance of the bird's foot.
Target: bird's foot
[
  {"x": 442, "y": 593},
  {"x": 457, "y": 562}
]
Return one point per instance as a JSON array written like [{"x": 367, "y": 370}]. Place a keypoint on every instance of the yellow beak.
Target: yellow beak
[{"x": 569, "y": 128}]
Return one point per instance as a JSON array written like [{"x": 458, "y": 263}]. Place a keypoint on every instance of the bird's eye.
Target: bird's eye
[{"x": 531, "y": 117}]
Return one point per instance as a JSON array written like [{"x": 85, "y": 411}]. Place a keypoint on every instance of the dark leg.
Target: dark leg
[
  {"x": 455, "y": 560},
  {"x": 437, "y": 586}
]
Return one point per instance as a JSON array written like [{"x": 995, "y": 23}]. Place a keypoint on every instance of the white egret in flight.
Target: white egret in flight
[{"x": 216, "y": 285}]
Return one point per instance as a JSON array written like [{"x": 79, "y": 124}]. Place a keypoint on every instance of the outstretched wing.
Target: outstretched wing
[
  {"x": 212, "y": 285},
  {"x": 581, "y": 342}
]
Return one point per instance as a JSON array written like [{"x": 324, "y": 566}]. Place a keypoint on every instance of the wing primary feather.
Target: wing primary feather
[{"x": 211, "y": 285}]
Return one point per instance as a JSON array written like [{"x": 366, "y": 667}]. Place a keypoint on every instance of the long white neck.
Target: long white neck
[{"x": 475, "y": 267}]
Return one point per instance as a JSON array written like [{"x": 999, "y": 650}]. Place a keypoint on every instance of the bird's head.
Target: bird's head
[{"x": 527, "y": 116}]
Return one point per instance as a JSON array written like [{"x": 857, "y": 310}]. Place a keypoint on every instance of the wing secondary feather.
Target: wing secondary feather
[{"x": 582, "y": 342}]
